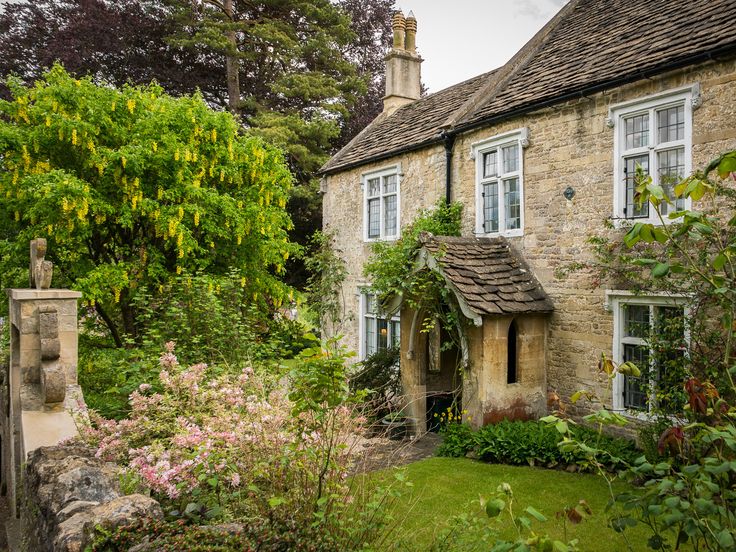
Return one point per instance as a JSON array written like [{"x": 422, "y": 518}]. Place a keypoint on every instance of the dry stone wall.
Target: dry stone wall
[{"x": 68, "y": 493}]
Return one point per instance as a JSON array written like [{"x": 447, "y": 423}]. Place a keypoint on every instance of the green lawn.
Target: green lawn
[{"x": 445, "y": 487}]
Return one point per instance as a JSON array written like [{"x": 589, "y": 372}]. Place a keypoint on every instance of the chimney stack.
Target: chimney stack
[{"x": 403, "y": 76}]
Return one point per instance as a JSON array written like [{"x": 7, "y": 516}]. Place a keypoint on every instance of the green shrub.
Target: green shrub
[
  {"x": 379, "y": 377},
  {"x": 457, "y": 440},
  {"x": 532, "y": 443}
]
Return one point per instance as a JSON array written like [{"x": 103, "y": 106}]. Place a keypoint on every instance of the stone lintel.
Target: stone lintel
[{"x": 42, "y": 294}]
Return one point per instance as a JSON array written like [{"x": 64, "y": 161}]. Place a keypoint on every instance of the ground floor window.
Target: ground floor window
[
  {"x": 651, "y": 333},
  {"x": 379, "y": 332}
]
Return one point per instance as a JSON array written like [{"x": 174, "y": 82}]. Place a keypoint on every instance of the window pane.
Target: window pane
[
  {"x": 631, "y": 208},
  {"x": 671, "y": 124},
  {"x": 389, "y": 184},
  {"x": 637, "y": 131},
  {"x": 636, "y": 321},
  {"x": 389, "y": 215},
  {"x": 382, "y": 337},
  {"x": 490, "y": 168},
  {"x": 370, "y": 336},
  {"x": 512, "y": 203},
  {"x": 374, "y": 218},
  {"x": 395, "y": 333},
  {"x": 635, "y": 392},
  {"x": 510, "y": 158},
  {"x": 374, "y": 187},
  {"x": 490, "y": 207},
  {"x": 671, "y": 169},
  {"x": 370, "y": 303}
]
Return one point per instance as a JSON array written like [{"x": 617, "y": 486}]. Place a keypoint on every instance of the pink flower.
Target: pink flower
[
  {"x": 143, "y": 387},
  {"x": 235, "y": 479}
]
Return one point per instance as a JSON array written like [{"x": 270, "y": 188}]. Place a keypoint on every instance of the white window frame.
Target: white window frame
[
  {"x": 616, "y": 300},
  {"x": 362, "y": 326},
  {"x": 520, "y": 138},
  {"x": 381, "y": 174},
  {"x": 689, "y": 97}
]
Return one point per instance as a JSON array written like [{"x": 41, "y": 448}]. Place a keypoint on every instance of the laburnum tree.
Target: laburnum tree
[{"x": 131, "y": 187}]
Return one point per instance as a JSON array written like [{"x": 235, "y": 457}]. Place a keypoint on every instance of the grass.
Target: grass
[{"x": 446, "y": 487}]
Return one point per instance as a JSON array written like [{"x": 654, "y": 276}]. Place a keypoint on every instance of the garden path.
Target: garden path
[{"x": 380, "y": 453}]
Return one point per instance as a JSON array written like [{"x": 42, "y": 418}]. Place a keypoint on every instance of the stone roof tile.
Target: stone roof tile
[{"x": 488, "y": 275}]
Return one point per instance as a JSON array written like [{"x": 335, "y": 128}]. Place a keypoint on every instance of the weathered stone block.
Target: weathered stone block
[
  {"x": 50, "y": 348},
  {"x": 53, "y": 383}
]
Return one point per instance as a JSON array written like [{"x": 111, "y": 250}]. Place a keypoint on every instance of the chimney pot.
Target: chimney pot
[
  {"x": 403, "y": 65},
  {"x": 411, "y": 33},
  {"x": 399, "y": 26}
]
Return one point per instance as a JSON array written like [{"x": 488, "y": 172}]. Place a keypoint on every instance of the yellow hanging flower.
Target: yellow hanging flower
[
  {"x": 160, "y": 193},
  {"x": 240, "y": 240},
  {"x": 242, "y": 281},
  {"x": 181, "y": 213},
  {"x": 196, "y": 218},
  {"x": 74, "y": 137},
  {"x": 178, "y": 269},
  {"x": 214, "y": 135},
  {"x": 124, "y": 161},
  {"x": 177, "y": 156},
  {"x": 48, "y": 121},
  {"x": 154, "y": 147},
  {"x": 131, "y": 105}
]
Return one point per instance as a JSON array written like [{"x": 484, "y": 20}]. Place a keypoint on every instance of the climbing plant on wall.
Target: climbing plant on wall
[
  {"x": 132, "y": 187},
  {"x": 393, "y": 272}
]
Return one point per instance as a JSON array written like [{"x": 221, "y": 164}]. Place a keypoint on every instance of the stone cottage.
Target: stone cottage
[{"x": 541, "y": 153}]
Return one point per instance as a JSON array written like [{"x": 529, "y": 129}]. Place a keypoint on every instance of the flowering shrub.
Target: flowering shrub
[{"x": 235, "y": 447}]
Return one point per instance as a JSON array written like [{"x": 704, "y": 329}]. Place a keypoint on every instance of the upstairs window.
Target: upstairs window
[
  {"x": 381, "y": 211},
  {"x": 656, "y": 135},
  {"x": 499, "y": 190}
]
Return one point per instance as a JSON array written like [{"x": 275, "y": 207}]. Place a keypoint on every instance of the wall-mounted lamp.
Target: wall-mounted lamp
[{"x": 569, "y": 193}]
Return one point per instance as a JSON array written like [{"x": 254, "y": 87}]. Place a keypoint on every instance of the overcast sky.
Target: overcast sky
[{"x": 459, "y": 39}]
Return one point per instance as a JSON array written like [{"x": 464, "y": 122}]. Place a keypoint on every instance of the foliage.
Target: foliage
[
  {"x": 688, "y": 499},
  {"x": 293, "y": 61},
  {"x": 181, "y": 535},
  {"x": 235, "y": 448},
  {"x": 392, "y": 271},
  {"x": 131, "y": 187},
  {"x": 379, "y": 377},
  {"x": 327, "y": 272},
  {"x": 108, "y": 375},
  {"x": 117, "y": 42},
  {"x": 208, "y": 315},
  {"x": 532, "y": 443}
]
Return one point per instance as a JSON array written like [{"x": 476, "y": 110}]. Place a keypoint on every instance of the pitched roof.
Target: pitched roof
[
  {"x": 486, "y": 275},
  {"x": 600, "y": 42},
  {"x": 590, "y": 45},
  {"x": 416, "y": 124}
]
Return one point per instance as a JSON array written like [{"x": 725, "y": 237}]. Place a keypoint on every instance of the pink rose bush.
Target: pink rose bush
[{"x": 229, "y": 447}]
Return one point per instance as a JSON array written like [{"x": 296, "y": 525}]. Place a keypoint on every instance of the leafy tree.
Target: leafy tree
[
  {"x": 114, "y": 42},
  {"x": 307, "y": 75},
  {"x": 132, "y": 187}
]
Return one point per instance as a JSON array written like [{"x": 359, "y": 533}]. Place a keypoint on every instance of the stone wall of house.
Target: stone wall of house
[
  {"x": 570, "y": 145},
  {"x": 422, "y": 183},
  {"x": 67, "y": 493}
]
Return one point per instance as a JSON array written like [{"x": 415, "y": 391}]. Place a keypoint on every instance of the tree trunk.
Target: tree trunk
[
  {"x": 232, "y": 65},
  {"x": 110, "y": 325}
]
